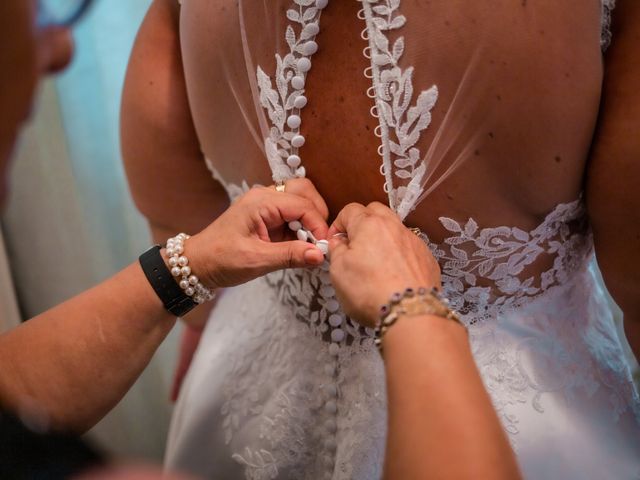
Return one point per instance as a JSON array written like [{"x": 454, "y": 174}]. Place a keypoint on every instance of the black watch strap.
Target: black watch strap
[{"x": 174, "y": 299}]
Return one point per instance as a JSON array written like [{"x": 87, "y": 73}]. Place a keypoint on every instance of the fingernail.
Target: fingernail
[{"x": 313, "y": 256}]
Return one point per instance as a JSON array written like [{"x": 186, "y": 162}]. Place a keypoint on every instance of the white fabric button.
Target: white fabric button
[
  {"x": 300, "y": 102},
  {"x": 310, "y": 48},
  {"x": 294, "y": 121},
  {"x": 330, "y": 369},
  {"x": 332, "y": 305},
  {"x": 302, "y": 235},
  {"x": 298, "y": 141},
  {"x": 334, "y": 349},
  {"x": 312, "y": 29},
  {"x": 331, "y": 390},
  {"x": 294, "y": 161},
  {"x": 331, "y": 426},
  {"x": 304, "y": 64},
  {"x": 323, "y": 246},
  {"x": 295, "y": 225},
  {"x": 327, "y": 291},
  {"x": 297, "y": 82},
  {"x": 330, "y": 444},
  {"x": 335, "y": 320},
  {"x": 330, "y": 407},
  {"x": 321, "y": 3},
  {"x": 301, "y": 172},
  {"x": 337, "y": 335}
]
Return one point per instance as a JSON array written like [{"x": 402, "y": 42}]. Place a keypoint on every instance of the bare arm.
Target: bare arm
[
  {"x": 166, "y": 171},
  {"x": 613, "y": 184},
  {"x": 76, "y": 361},
  {"x": 434, "y": 430}
]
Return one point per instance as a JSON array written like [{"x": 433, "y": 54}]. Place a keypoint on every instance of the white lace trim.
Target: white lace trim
[
  {"x": 393, "y": 93},
  {"x": 280, "y": 103},
  {"x": 607, "y": 9}
]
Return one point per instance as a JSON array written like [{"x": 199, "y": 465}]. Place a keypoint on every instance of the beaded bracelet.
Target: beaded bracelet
[
  {"x": 179, "y": 265},
  {"x": 411, "y": 303}
]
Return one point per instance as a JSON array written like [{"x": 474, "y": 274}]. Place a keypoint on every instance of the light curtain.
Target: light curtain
[{"x": 71, "y": 222}]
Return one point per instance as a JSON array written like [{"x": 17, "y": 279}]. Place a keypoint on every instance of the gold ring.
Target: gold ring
[
  {"x": 416, "y": 231},
  {"x": 280, "y": 187}
]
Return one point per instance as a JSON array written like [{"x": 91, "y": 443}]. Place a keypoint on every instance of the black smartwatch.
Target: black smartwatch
[{"x": 174, "y": 299}]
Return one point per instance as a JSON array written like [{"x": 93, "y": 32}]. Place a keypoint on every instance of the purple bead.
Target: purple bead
[
  {"x": 422, "y": 291},
  {"x": 396, "y": 297},
  {"x": 384, "y": 310},
  {"x": 409, "y": 292}
]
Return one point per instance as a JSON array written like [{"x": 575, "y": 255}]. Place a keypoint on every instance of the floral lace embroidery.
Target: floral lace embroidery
[
  {"x": 482, "y": 269},
  {"x": 393, "y": 92},
  {"x": 607, "y": 9},
  {"x": 281, "y": 102}
]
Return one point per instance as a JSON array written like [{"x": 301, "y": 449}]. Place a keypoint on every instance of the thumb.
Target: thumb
[{"x": 294, "y": 254}]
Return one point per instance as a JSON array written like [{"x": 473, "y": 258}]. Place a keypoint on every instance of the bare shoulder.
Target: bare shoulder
[
  {"x": 613, "y": 177},
  {"x": 168, "y": 177}
]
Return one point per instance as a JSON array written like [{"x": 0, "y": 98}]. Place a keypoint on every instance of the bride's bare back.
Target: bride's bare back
[{"x": 519, "y": 88}]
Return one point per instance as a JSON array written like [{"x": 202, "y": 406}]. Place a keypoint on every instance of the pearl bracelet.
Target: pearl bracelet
[
  {"x": 411, "y": 303},
  {"x": 179, "y": 265}
]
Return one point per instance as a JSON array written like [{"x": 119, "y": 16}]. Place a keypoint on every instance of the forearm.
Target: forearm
[
  {"x": 76, "y": 361},
  {"x": 441, "y": 421}
]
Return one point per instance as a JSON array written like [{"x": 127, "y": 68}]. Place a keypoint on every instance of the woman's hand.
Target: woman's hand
[
  {"x": 377, "y": 257},
  {"x": 252, "y": 237}
]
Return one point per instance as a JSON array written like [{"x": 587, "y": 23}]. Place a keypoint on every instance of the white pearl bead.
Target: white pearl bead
[
  {"x": 189, "y": 291},
  {"x": 302, "y": 235},
  {"x": 332, "y": 305},
  {"x": 335, "y": 320},
  {"x": 298, "y": 141},
  {"x": 301, "y": 172},
  {"x": 295, "y": 225},
  {"x": 321, "y": 3},
  {"x": 175, "y": 271},
  {"x": 173, "y": 261},
  {"x": 300, "y": 102},
  {"x": 334, "y": 349},
  {"x": 184, "y": 284},
  {"x": 193, "y": 280},
  {"x": 183, "y": 261},
  {"x": 294, "y": 121},
  {"x": 323, "y": 246},
  {"x": 331, "y": 407},
  {"x": 337, "y": 335},
  {"x": 304, "y": 64},
  {"x": 186, "y": 271},
  {"x": 179, "y": 249},
  {"x": 297, "y": 82},
  {"x": 294, "y": 161},
  {"x": 170, "y": 252},
  {"x": 310, "y": 47},
  {"x": 198, "y": 299}
]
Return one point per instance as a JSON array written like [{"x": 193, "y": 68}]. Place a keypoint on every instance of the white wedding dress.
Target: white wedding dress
[{"x": 284, "y": 386}]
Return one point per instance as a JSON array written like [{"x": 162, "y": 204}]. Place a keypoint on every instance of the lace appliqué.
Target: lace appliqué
[
  {"x": 281, "y": 101},
  {"x": 482, "y": 269},
  {"x": 400, "y": 124},
  {"x": 607, "y": 9}
]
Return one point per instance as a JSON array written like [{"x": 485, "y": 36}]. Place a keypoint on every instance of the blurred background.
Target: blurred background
[{"x": 70, "y": 215}]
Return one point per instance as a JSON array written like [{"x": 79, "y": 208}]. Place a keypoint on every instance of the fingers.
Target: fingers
[
  {"x": 303, "y": 187},
  {"x": 295, "y": 254},
  {"x": 346, "y": 218},
  {"x": 278, "y": 208}
]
